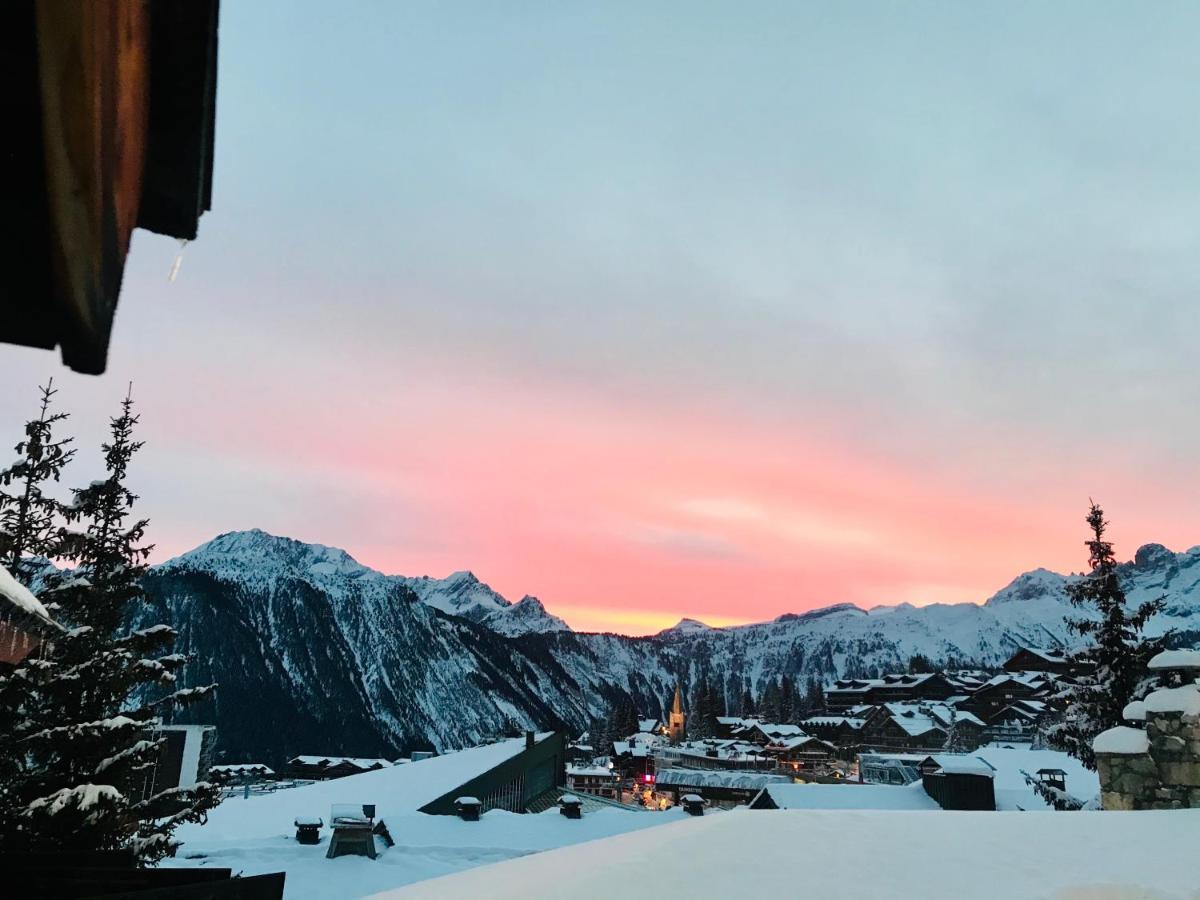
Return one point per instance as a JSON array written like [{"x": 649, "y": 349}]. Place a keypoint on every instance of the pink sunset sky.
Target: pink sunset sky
[{"x": 718, "y": 316}]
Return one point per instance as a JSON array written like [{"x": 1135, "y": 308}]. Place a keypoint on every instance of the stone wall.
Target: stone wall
[{"x": 1165, "y": 777}]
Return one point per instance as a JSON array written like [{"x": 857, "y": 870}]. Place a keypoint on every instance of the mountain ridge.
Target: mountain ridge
[
  {"x": 317, "y": 653},
  {"x": 463, "y": 593}
]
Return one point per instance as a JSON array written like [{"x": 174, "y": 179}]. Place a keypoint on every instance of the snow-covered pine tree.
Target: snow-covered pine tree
[
  {"x": 29, "y": 526},
  {"x": 89, "y": 781},
  {"x": 29, "y": 518},
  {"x": 1118, "y": 650},
  {"x": 956, "y": 740}
]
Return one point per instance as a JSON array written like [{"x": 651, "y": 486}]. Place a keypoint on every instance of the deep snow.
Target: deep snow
[{"x": 869, "y": 855}]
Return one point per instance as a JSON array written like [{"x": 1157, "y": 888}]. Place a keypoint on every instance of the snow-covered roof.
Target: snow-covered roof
[
  {"x": 1184, "y": 700},
  {"x": 358, "y": 762},
  {"x": 1029, "y": 679},
  {"x": 796, "y": 740},
  {"x": 962, "y": 764},
  {"x": 702, "y": 778},
  {"x": 590, "y": 771},
  {"x": 1010, "y": 763},
  {"x": 851, "y": 796},
  {"x": 620, "y": 748},
  {"x": 243, "y": 767},
  {"x": 19, "y": 596},
  {"x": 1049, "y": 655},
  {"x": 1176, "y": 659},
  {"x": 395, "y": 790},
  {"x": 1122, "y": 740}
]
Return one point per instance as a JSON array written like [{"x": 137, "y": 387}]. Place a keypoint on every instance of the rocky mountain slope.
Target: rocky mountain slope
[{"x": 316, "y": 653}]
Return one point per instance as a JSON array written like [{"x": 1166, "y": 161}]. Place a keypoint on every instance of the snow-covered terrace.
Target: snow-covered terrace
[{"x": 868, "y": 855}]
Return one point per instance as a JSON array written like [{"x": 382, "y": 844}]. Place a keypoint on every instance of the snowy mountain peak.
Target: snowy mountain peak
[
  {"x": 257, "y": 558},
  {"x": 1030, "y": 585},
  {"x": 822, "y": 612},
  {"x": 525, "y": 616},
  {"x": 1152, "y": 555},
  {"x": 686, "y": 627},
  {"x": 257, "y": 552}
]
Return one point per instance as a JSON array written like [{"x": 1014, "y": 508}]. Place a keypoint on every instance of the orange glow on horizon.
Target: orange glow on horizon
[{"x": 626, "y": 518}]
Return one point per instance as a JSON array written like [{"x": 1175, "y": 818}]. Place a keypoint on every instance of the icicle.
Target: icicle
[{"x": 178, "y": 262}]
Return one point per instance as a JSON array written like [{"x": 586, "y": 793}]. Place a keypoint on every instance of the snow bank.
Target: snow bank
[
  {"x": 1123, "y": 740},
  {"x": 978, "y": 856},
  {"x": 1009, "y": 765},
  {"x": 1184, "y": 700},
  {"x": 425, "y": 847}
]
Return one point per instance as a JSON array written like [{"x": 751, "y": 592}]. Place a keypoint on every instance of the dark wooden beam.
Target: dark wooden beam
[
  {"x": 177, "y": 187},
  {"x": 93, "y": 61}
]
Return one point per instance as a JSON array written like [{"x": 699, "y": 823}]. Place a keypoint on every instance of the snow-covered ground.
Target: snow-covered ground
[
  {"x": 425, "y": 846},
  {"x": 821, "y": 843},
  {"x": 852, "y": 796},
  {"x": 845, "y": 854}
]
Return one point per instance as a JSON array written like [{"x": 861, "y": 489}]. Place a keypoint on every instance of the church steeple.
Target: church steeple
[{"x": 676, "y": 723}]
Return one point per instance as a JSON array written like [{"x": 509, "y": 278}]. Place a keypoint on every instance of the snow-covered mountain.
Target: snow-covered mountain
[
  {"x": 316, "y": 653},
  {"x": 256, "y": 557}
]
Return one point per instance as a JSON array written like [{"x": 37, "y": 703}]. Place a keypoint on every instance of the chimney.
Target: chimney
[{"x": 529, "y": 740}]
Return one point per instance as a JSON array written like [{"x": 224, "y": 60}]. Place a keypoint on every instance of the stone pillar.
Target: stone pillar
[{"x": 1162, "y": 769}]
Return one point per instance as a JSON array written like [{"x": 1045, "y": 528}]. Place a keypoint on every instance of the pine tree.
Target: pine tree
[
  {"x": 787, "y": 700},
  {"x": 29, "y": 519},
  {"x": 769, "y": 702},
  {"x": 956, "y": 739},
  {"x": 1118, "y": 651},
  {"x": 88, "y": 782},
  {"x": 747, "y": 708},
  {"x": 919, "y": 664},
  {"x": 816, "y": 695},
  {"x": 29, "y": 523},
  {"x": 599, "y": 737}
]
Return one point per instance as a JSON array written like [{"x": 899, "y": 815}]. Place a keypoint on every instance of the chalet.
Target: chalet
[
  {"x": 1002, "y": 690},
  {"x": 651, "y": 726},
  {"x": 596, "y": 781},
  {"x": 969, "y": 729},
  {"x": 728, "y": 725},
  {"x": 848, "y": 693},
  {"x": 580, "y": 752},
  {"x": 323, "y": 768},
  {"x": 633, "y": 759},
  {"x": 25, "y": 626},
  {"x": 907, "y": 729},
  {"x": 841, "y": 731},
  {"x": 1018, "y": 721},
  {"x": 764, "y": 733},
  {"x": 240, "y": 773},
  {"x": 1033, "y": 659},
  {"x": 802, "y": 753}
]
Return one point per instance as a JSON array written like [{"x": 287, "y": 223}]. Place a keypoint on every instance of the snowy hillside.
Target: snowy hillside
[{"x": 316, "y": 653}]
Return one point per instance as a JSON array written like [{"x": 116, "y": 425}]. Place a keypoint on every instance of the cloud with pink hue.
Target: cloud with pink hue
[{"x": 661, "y": 312}]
